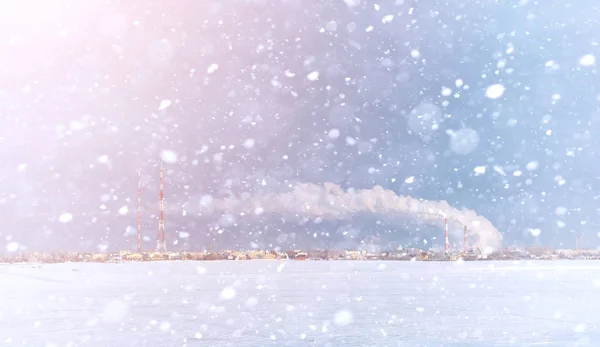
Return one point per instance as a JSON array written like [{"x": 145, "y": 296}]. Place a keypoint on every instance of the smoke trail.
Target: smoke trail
[{"x": 333, "y": 202}]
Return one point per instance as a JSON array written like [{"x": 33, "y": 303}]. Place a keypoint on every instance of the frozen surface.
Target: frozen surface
[{"x": 300, "y": 303}]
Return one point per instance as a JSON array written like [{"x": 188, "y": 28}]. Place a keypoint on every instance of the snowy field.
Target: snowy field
[{"x": 301, "y": 303}]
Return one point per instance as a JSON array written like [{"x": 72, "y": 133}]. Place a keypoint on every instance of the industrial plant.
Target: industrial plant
[{"x": 456, "y": 253}]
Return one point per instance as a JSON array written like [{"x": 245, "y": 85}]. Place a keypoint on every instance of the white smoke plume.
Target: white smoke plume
[{"x": 333, "y": 202}]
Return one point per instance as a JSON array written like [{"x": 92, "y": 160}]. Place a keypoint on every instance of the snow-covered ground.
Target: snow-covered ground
[{"x": 301, "y": 303}]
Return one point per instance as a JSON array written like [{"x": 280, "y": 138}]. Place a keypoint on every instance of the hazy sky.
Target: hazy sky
[{"x": 248, "y": 97}]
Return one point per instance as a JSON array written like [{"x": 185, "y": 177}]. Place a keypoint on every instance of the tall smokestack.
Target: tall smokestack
[
  {"x": 161, "y": 242},
  {"x": 447, "y": 238},
  {"x": 139, "y": 231},
  {"x": 466, "y": 239}
]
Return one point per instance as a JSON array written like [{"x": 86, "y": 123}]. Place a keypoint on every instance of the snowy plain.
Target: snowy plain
[{"x": 301, "y": 303}]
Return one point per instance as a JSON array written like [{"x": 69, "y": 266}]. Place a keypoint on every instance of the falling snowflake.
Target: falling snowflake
[
  {"x": 212, "y": 68},
  {"x": 168, "y": 156},
  {"x": 313, "y": 76},
  {"x": 12, "y": 247},
  {"x": 587, "y": 60},
  {"x": 343, "y": 317},
  {"x": 494, "y": 91},
  {"x": 65, "y": 218},
  {"x": 164, "y": 104}
]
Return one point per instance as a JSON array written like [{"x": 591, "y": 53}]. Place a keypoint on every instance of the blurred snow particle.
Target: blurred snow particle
[
  {"x": 532, "y": 165},
  {"x": 561, "y": 210},
  {"x": 313, "y": 76},
  {"x": 103, "y": 159},
  {"x": 184, "y": 235},
  {"x": 251, "y": 302},
  {"x": 168, "y": 156},
  {"x": 165, "y": 326},
  {"x": 130, "y": 231},
  {"x": 228, "y": 293},
  {"x": 425, "y": 118},
  {"x": 343, "y": 318},
  {"x": 65, "y": 218},
  {"x": 446, "y": 91},
  {"x": 331, "y": 26},
  {"x": 500, "y": 170},
  {"x": 123, "y": 210},
  {"x": 410, "y": 180},
  {"x": 76, "y": 125},
  {"x": 12, "y": 247},
  {"x": 350, "y": 141},
  {"x": 114, "y": 312},
  {"x": 415, "y": 54},
  {"x": 580, "y": 328},
  {"x": 387, "y": 18},
  {"x": 587, "y": 60},
  {"x": 206, "y": 200},
  {"x": 164, "y": 104},
  {"x": 21, "y": 167},
  {"x": 212, "y": 68},
  {"x": 479, "y": 170},
  {"x": 551, "y": 64},
  {"x": 534, "y": 232},
  {"x": 494, "y": 91},
  {"x": 249, "y": 143},
  {"x": 280, "y": 267},
  {"x": 463, "y": 141},
  {"x": 352, "y": 3},
  {"x": 259, "y": 210},
  {"x": 201, "y": 270},
  {"x": 198, "y": 335},
  {"x": 334, "y": 133}
]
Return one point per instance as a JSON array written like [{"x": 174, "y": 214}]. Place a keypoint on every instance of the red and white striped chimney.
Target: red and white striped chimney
[
  {"x": 447, "y": 239},
  {"x": 466, "y": 239},
  {"x": 139, "y": 231}
]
